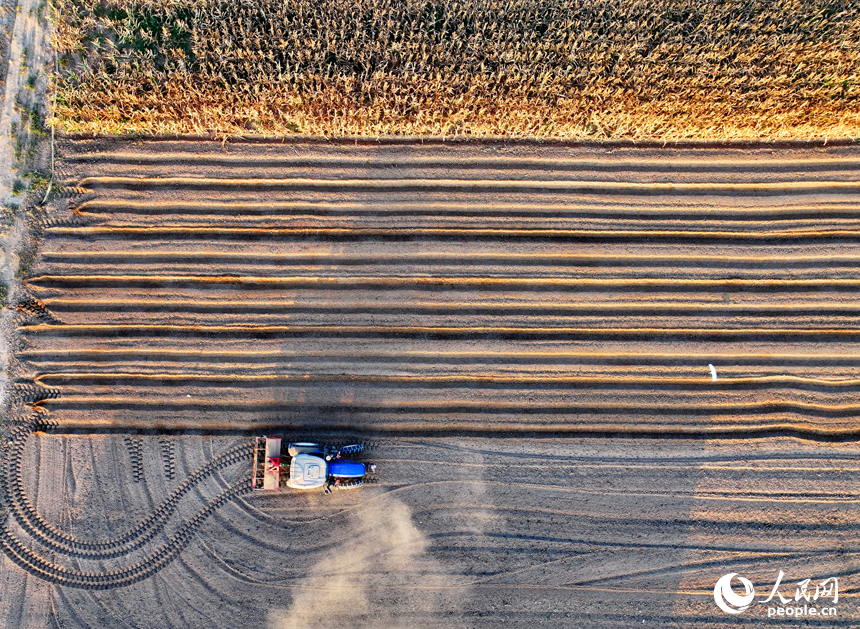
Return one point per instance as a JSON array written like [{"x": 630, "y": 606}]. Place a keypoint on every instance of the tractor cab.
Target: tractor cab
[{"x": 307, "y": 472}]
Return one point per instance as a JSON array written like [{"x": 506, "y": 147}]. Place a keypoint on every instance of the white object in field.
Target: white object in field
[
  {"x": 272, "y": 477},
  {"x": 307, "y": 472},
  {"x": 713, "y": 373}
]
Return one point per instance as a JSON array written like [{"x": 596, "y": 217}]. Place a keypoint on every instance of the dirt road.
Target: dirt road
[{"x": 602, "y": 379}]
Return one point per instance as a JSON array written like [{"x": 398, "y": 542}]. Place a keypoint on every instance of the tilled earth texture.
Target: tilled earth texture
[{"x": 597, "y": 380}]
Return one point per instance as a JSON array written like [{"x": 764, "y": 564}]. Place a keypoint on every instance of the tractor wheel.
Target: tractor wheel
[
  {"x": 351, "y": 449},
  {"x": 349, "y": 484}
]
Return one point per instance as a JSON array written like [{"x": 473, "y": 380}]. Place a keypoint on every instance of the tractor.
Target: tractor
[{"x": 306, "y": 465}]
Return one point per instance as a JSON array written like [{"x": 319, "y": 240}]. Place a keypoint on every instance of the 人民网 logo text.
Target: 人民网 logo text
[{"x": 806, "y": 601}]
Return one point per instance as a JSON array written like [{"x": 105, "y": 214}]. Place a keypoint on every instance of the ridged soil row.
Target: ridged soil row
[
  {"x": 63, "y": 261},
  {"x": 163, "y": 160},
  {"x": 236, "y": 283},
  {"x": 270, "y": 362}
]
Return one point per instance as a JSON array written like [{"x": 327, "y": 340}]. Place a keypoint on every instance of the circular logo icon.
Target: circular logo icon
[{"x": 726, "y": 598}]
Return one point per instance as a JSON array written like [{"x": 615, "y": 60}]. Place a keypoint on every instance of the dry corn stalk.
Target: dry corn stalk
[{"x": 641, "y": 69}]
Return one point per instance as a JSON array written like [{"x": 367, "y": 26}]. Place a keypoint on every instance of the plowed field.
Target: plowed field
[{"x": 600, "y": 380}]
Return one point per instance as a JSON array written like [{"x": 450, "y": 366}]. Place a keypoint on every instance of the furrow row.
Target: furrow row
[
  {"x": 433, "y": 406},
  {"x": 762, "y": 423},
  {"x": 144, "y": 331},
  {"x": 372, "y": 161},
  {"x": 597, "y": 209},
  {"x": 485, "y": 186},
  {"x": 335, "y": 234},
  {"x": 564, "y": 321},
  {"x": 536, "y": 308},
  {"x": 285, "y": 373},
  {"x": 429, "y": 381},
  {"x": 327, "y": 258},
  {"x": 633, "y": 358},
  {"x": 467, "y": 225},
  {"x": 566, "y": 284},
  {"x": 403, "y": 272}
]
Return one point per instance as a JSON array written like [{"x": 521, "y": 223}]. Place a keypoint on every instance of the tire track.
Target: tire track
[
  {"x": 35, "y": 525},
  {"x": 154, "y": 562},
  {"x": 135, "y": 454},
  {"x": 168, "y": 455}
]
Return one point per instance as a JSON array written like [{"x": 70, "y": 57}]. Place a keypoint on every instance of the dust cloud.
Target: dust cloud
[{"x": 382, "y": 564}]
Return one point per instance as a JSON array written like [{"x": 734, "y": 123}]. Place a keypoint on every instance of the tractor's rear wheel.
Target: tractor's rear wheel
[
  {"x": 353, "y": 483},
  {"x": 351, "y": 449}
]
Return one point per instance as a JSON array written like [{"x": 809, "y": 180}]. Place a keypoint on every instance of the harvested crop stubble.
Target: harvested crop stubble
[{"x": 664, "y": 69}]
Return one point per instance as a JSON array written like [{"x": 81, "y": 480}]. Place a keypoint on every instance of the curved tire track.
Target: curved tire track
[
  {"x": 28, "y": 517},
  {"x": 54, "y": 573}
]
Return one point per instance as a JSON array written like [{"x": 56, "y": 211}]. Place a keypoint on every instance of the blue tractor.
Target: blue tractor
[{"x": 307, "y": 465}]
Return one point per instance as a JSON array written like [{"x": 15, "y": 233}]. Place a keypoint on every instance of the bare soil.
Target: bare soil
[
  {"x": 528, "y": 331},
  {"x": 25, "y": 54},
  {"x": 25, "y": 149}
]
